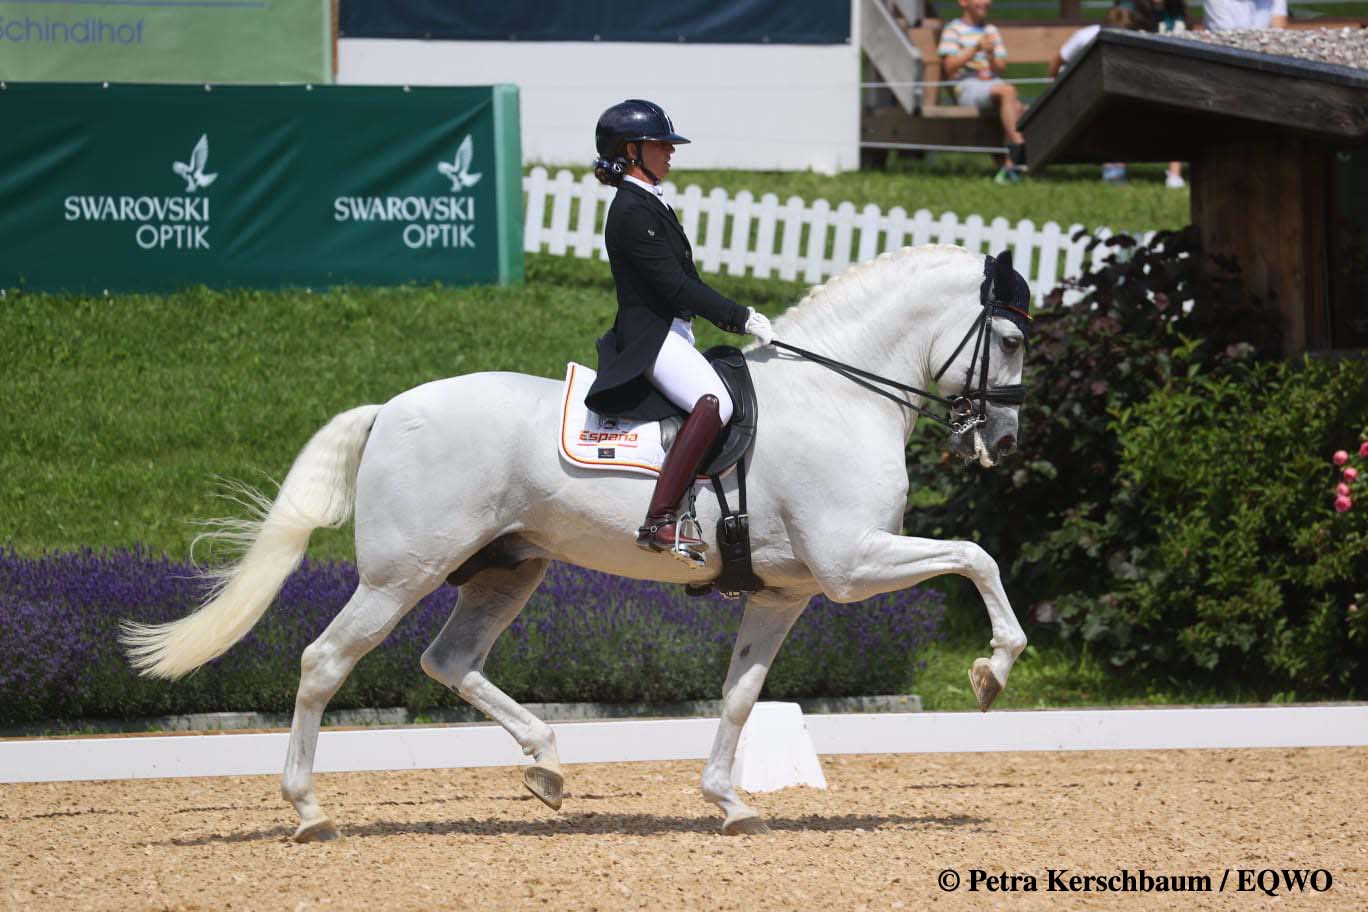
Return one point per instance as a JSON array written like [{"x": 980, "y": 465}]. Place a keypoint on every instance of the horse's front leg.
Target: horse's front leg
[
  {"x": 883, "y": 562},
  {"x": 766, "y": 621}
]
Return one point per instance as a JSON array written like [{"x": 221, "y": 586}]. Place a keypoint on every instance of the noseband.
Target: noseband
[{"x": 970, "y": 408}]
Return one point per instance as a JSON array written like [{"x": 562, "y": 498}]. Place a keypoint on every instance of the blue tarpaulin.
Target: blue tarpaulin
[{"x": 691, "y": 21}]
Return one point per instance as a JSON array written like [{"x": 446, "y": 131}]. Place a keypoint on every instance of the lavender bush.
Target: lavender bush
[{"x": 584, "y": 636}]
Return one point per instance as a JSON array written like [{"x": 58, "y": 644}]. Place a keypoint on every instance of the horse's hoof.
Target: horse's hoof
[
  {"x": 985, "y": 683},
  {"x": 750, "y": 825},
  {"x": 545, "y": 784},
  {"x": 317, "y": 831}
]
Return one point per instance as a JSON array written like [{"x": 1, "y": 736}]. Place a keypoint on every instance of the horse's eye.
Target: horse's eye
[{"x": 1011, "y": 343}]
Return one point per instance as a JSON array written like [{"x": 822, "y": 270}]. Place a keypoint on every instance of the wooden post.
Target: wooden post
[
  {"x": 1324, "y": 317},
  {"x": 1248, "y": 201}
]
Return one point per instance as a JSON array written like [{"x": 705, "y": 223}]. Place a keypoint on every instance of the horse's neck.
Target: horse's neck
[
  {"x": 880, "y": 334},
  {"x": 886, "y": 334}
]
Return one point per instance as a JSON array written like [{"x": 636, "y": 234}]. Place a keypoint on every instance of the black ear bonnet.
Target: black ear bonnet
[{"x": 1006, "y": 292}]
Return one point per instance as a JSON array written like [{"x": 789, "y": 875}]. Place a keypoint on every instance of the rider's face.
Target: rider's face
[{"x": 656, "y": 155}]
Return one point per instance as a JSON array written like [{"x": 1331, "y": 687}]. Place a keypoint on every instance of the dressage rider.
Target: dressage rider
[{"x": 647, "y": 363}]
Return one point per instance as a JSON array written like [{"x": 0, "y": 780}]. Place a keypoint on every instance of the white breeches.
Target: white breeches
[{"x": 684, "y": 376}]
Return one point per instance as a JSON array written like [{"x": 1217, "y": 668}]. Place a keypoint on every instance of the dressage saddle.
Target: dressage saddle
[
  {"x": 733, "y": 530},
  {"x": 739, "y": 433}
]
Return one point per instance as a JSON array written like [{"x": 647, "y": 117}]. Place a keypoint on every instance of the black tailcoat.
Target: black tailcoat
[{"x": 656, "y": 281}]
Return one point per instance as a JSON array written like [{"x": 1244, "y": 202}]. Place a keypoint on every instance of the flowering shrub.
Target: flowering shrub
[
  {"x": 1348, "y": 475},
  {"x": 583, "y": 636},
  {"x": 1236, "y": 565},
  {"x": 1149, "y": 314},
  {"x": 1168, "y": 503}
]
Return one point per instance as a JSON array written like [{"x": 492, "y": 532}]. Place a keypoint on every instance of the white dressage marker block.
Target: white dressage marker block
[{"x": 775, "y": 751}]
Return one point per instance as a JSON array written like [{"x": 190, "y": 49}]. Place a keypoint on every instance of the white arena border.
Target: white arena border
[{"x": 450, "y": 746}]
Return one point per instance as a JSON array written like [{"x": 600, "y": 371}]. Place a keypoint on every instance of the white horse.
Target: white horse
[{"x": 463, "y": 473}]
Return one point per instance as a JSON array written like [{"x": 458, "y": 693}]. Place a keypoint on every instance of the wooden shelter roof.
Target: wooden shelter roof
[{"x": 1141, "y": 97}]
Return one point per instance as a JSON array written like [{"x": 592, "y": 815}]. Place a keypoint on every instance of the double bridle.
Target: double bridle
[{"x": 969, "y": 409}]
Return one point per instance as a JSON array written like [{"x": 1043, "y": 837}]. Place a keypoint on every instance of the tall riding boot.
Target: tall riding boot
[{"x": 685, "y": 456}]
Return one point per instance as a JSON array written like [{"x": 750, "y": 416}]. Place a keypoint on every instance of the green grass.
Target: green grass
[
  {"x": 1051, "y": 673},
  {"x": 122, "y": 410},
  {"x": 119, "y": 412}
]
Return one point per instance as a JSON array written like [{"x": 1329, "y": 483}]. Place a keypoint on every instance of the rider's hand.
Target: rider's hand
[{"x": 758, "y": 325}]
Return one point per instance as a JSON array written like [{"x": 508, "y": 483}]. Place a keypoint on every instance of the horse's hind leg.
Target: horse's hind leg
[
  {"x": 488, "y": 604},
  {"x": 768, "y": 617},
  {"x": 367, "y": 619}
]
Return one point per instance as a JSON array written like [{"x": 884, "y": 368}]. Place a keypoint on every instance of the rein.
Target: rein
[{"x": 965, "y": 411}]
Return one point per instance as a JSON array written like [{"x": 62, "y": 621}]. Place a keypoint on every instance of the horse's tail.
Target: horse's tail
[{"x": 320, "y": 490}]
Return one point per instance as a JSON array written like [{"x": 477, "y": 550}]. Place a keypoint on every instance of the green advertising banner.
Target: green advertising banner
[
  {"x": 213, "y": 41},
  {"x": 128, "y": 188}
]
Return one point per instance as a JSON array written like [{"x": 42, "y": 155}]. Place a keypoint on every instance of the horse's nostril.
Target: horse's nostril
[{"x": 1006, "y": 443}]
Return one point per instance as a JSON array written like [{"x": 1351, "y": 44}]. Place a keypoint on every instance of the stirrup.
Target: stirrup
[
  {"x": 690, "y": 554},
  {"x": 693, "y": 555}
]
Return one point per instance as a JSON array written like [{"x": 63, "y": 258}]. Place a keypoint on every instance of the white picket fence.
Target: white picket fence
[{"x": 793, "y": 240}]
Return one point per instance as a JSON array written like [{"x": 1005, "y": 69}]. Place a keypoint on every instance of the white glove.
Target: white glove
[{"x": 758, "y": 325}]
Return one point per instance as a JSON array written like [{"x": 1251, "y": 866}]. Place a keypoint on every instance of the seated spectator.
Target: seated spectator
[
  {"x": 1228, "y": 15},
  {"x": 974, "y": 56}
]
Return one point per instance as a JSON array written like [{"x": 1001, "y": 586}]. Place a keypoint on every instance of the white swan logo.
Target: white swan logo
[
  {"x": 193, "y": 171},
  {"x": 458, "y": 169}
]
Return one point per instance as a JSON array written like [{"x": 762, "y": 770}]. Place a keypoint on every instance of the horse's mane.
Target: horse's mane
[{"x": 867, "y": 280}]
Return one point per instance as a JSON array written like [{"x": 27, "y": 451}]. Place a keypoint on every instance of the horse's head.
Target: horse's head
[{"x": 981, "y": 350}]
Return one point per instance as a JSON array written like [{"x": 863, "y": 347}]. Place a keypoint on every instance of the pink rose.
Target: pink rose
[
  {"x": 1363, "y": 449},
  {"x": 1342, "y": 489},
  {"x": 1340, "y": 457},
  {"x": 1352, "y": 607},
  {"x": 1350, "y": 473},
  {"x": 1342, "y": 504}
]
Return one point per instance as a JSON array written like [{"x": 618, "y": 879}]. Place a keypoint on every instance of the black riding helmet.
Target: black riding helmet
[{"x": 633, "y": 120}]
